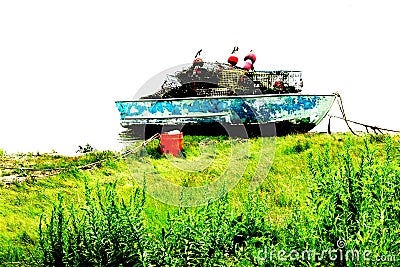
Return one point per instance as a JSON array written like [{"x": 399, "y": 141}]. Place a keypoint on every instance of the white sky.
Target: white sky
[{"x": 64, "y": 63}]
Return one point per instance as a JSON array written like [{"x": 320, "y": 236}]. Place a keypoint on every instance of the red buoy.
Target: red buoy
[
  {"x": 279, "y": 84},
  {"x": 248, "y": 65},
  {"x": 233, "y": 59},
  {"x": 251, "y": 56},
  {"x": 198, "y": 62}
]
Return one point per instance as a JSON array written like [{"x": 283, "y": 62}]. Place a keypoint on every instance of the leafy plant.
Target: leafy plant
[{"x": 107, "y": 232}]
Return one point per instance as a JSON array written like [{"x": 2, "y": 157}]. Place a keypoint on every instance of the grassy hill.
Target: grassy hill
[{"x": 330, "y": 200}]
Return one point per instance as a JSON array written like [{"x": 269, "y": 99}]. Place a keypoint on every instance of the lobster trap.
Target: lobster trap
[
  {"x": 214, "y": 92},
  {"x": 219, "y": 79},
  {"x": 277, "y": 81}
]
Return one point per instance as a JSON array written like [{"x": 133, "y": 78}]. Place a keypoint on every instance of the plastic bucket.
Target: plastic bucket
[{"x": 171, "y": 143}]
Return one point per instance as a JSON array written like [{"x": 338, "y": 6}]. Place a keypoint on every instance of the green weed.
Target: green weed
[{"x": 337, "y": 193}]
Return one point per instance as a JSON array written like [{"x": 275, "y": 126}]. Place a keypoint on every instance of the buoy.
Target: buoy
[
  {"x": 251, "y": 56},
  {"x": 233, "y": 59},
  {"x": 248, "y": 65},
  {"x": 198, "y": 62},
  {"x": 249, "y": 61},
  {"x": 279, "y": 84}
]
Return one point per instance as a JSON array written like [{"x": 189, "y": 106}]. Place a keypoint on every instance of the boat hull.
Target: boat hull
[{"x": 288, "y": 112}]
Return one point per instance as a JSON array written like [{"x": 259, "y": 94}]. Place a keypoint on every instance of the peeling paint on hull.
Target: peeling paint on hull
[{"x": 289, "y": 112}]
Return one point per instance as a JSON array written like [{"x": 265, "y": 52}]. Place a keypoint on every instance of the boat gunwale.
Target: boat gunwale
[{"x": 220, "y": 97}]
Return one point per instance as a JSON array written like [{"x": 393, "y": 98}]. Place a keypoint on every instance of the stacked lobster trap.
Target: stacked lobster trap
[{"x": 220, "y": 79}]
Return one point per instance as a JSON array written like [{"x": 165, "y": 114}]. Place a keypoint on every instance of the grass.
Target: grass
[{"x": 320, "y": 192}]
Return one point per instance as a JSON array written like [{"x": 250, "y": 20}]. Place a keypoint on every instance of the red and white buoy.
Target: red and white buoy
[
  {"x": 233, "y": 59},
  {"x": 249, "y": 61},
  {"x": 251, "y": 56},
  {"x": 198, "y": 61}
]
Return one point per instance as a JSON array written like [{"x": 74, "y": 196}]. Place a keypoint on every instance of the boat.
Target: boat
[{"x": 213, "y": 97}]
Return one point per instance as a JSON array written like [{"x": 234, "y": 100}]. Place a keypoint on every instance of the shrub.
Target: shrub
[{"x": 107, "y": 232}]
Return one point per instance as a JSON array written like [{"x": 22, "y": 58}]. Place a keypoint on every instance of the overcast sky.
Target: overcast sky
[{"x": 64, "y": 63}]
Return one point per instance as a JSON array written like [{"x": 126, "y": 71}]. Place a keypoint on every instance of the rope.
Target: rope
[
  {"x": 86, "y": 166},
  {"x": 376, "y": 129},
  {"x": 367, "y": 127},
  {"x": 340, "y": 103}
]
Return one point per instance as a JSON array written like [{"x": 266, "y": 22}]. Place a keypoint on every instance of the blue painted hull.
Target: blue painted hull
[{"x": 293, "y": 111}]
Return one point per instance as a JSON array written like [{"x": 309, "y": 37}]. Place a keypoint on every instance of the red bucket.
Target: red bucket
[{"x": 171, "y": 143}]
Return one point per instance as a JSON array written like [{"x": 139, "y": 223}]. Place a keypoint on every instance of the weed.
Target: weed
[{"x": 321, "y": 189}]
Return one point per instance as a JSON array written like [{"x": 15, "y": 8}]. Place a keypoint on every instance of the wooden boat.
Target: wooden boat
[
  {"x": 290, "y": 112},
  {"x": 225, "y": 98}
]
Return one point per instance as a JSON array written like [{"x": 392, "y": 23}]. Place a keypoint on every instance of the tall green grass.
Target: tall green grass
[
  {"x": 109, "y": 231},
  {"x": 105, "y": 232},
  {"x": 327, "y": 201}
]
